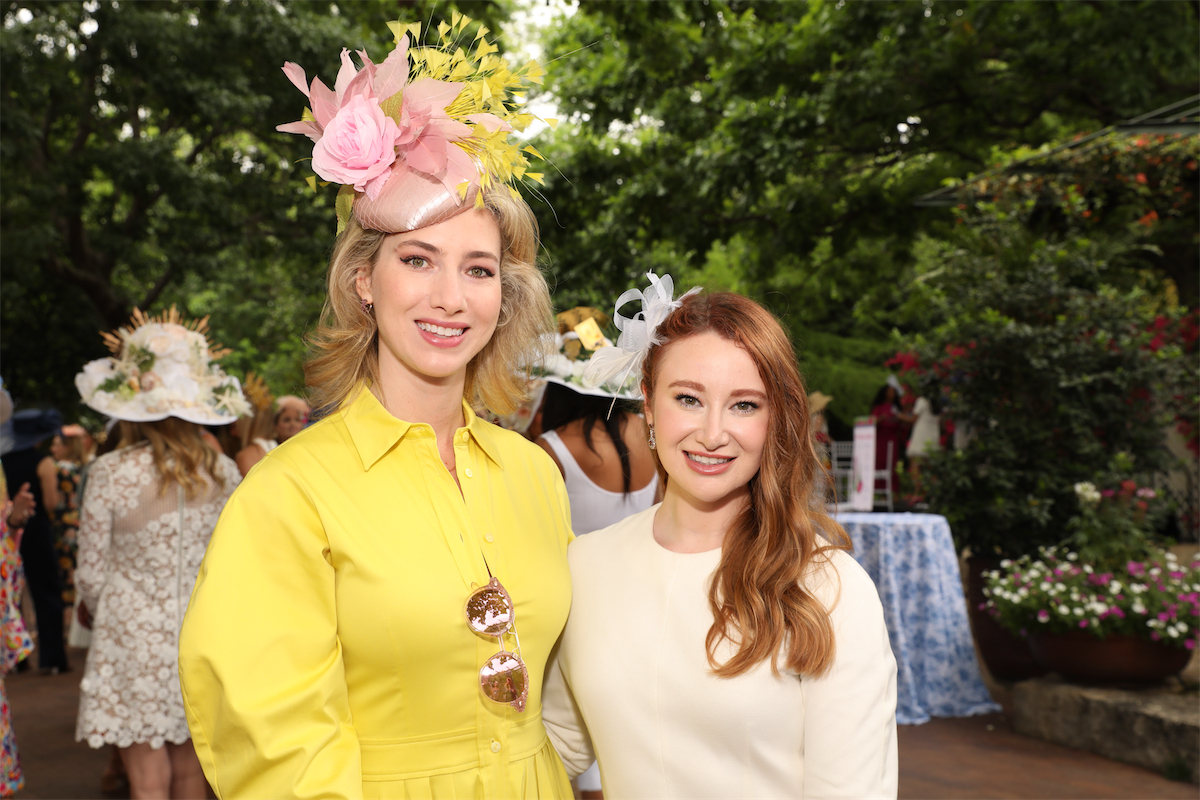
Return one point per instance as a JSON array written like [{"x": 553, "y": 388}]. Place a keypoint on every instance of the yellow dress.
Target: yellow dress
[{"x": 325, "y": 651}]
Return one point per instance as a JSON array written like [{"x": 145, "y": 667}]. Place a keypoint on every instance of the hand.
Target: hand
[
  {"x": 23, "y": 503},
  {"x": 84, "y": 616}
]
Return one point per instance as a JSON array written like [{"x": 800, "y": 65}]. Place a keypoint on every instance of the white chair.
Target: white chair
[
  {"x": 841, "y": 470},
  {"x": 885, "y": 475}
]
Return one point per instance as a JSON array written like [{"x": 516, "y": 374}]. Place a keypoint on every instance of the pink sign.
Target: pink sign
[{"x": 862, "y": 472}]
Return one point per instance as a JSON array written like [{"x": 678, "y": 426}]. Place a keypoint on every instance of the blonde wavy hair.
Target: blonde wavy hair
[
  {"x": 758, "y": 597},
  {"x": 180, "y": 454},
  {"x": 346, "y": 342}
]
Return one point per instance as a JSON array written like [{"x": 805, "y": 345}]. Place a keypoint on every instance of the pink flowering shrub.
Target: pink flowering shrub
[{"x": 1154, "y": 598}]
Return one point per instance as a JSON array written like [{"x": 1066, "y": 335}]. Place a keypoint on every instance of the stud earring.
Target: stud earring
[
  {"x": 367, "y": 308},
  {"x": 652, "y": 442}
]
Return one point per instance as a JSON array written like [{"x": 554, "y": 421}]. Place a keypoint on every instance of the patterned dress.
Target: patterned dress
[
  {"x": 139, "y": 551},
  {"x": 66, "y": 526},
  {"x": 16, "y": 645}
]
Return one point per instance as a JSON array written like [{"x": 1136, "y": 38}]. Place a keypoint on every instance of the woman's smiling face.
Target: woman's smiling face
[
  {"x": 709, "y": 412},
  {"x": 436, "y": 292}
]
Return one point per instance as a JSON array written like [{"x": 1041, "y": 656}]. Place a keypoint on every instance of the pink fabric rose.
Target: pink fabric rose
[{"x": 357, "y": 147}]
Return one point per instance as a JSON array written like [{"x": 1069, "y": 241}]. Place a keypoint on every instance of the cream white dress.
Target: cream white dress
[
  {"x": 135, "y": 572},
  {"x": 631, "y": 684}
]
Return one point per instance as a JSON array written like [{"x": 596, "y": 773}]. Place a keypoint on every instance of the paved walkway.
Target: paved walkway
[{"x": 977, "y": 757}]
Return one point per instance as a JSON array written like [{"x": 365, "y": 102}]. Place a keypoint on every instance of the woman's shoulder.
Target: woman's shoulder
[
  {"x": 613, "y": 540},
  {"x": 840, "y": 582},
  {"x": 227, "y": 467},
  {"x": 113, "y": 459}
]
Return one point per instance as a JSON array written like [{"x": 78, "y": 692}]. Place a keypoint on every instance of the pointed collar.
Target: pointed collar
[{"x": 375, "y": 431}]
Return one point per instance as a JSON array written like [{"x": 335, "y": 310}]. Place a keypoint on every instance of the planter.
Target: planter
[
  {"x": 1007, "y": 657},
  {"x": 1115, "y": 658}
]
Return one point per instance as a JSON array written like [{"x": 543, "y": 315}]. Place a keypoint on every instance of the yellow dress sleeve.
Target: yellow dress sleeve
[{"x": 259, "y": 658}]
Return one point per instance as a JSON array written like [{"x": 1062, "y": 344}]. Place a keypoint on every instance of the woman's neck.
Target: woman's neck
[
  {"x": 416, "y": 399},
  {"x": 685, "y": 525}
]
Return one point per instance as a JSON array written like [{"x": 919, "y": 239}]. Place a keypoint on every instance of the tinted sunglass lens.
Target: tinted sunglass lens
[
  {"x": 489, "y": 612},
  {"x": 503, "y": 678}
]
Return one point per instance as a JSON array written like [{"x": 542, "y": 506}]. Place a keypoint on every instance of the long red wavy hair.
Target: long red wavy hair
[{"x": 758, "y": 598}]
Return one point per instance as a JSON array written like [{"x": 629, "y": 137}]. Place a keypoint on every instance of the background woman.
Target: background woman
[
  {"x": 607, "y": 466},
  {"x": 925, "y": 439},
  {"x": 891, "y": 428},
  {"x": 149, "y": 509},
  {"x": 609, "y": 470},
  {"x": 754, "y": 657},
  {"x": 71, "y": 450},
  {"x": 291, "y": 415},
  {"x": 15, "y": 642},
  {"x": 27, "y": 465},
  {"x": 377, "y": 548}
]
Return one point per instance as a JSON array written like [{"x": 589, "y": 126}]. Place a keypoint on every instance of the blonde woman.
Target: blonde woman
[
  {"x": 754, "y": 659},
  {"x": 147, "y": 514},
  {"x": 353, "y": 632}
]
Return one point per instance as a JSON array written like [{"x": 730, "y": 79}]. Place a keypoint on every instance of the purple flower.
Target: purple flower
[
  {"x": 1083, "y": 623},
  {"x": 1164, "y": 616},
  {"x": 1135, "y": 568},
  {"x": 1190, "y": 644},
  {"x": 1043, "y": 615}
]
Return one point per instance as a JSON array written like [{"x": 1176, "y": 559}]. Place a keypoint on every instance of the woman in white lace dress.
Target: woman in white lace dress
[{"x": 148, "y": 512}]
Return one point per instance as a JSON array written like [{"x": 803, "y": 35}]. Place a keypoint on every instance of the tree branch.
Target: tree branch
[{"x": 158, "y": 287}]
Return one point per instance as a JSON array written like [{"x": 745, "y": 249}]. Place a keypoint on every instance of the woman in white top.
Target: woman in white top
[
  {"x": 147, "y": 515},
  {"x": 608, "y": 467},
  {"x": 724, "y": 643},
  {"x": 925, "y": 439}
]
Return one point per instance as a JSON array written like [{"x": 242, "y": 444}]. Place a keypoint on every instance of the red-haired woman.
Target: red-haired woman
[{"x": 754, "y": 659}]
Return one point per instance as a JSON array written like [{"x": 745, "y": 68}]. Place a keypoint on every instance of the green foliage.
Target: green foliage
[
  {"x": 776, "y": 148},
  {"x": 1051, "y": 369},
  {"x": 1095, "y": 185}
]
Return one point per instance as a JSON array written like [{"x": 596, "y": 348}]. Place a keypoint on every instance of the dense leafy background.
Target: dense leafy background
[{"x": 775, "y": 148}]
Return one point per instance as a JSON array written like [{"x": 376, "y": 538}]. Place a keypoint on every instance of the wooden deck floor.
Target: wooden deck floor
[{"x": 976, "y": 757}]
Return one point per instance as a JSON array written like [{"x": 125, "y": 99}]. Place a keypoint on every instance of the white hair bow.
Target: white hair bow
[{"x": 638, "y": 333}]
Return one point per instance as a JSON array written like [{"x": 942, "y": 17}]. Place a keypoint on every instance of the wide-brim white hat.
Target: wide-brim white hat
[{"x": 162, "y": 367}]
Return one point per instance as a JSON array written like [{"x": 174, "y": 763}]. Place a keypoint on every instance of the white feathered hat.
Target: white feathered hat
[{"x": 162, "y": 367}]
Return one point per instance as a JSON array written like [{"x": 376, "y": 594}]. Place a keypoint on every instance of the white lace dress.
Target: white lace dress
[{"x": 136, "y": 572}]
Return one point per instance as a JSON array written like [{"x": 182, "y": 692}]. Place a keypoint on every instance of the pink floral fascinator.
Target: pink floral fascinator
[{"x": 416, "y": 138}]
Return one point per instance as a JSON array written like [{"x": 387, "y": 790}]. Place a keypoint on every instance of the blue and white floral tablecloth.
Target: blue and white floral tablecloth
[{"x": 912, "y": 560}]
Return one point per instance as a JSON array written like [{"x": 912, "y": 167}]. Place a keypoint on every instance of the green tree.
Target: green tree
[
  {"x": 797, "y": 135},
  {"x": 1054, "y": 364}
]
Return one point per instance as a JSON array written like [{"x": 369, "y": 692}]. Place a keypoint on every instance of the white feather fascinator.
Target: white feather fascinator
[{"x": 638, "y": 333}]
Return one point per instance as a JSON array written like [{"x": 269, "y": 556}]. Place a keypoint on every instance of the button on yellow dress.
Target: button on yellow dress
[{"x": 325, "y": 651}]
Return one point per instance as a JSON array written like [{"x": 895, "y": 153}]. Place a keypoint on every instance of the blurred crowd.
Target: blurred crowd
[{"x": 60, "y": 477}]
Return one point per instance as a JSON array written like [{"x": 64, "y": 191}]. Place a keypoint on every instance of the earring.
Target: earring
[
  {"x": 652, "y": 443},
  {"x": 367, "y": 308}
]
